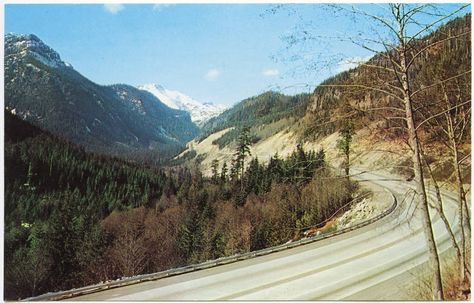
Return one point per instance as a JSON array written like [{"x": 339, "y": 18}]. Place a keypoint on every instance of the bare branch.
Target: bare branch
[
  {"x": 364, "y": 87},
  {"x": 432, "y": 24},
  {"x": 440, "y": 82},
  {"x": 441, "y": 113},
  {"x": 435, "y": 43},
  {"x": 378, "y": 19},
  {"x": 381, "y": 108}
]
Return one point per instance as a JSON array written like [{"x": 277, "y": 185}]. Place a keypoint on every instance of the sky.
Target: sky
[{"x": 220, "y": 53}]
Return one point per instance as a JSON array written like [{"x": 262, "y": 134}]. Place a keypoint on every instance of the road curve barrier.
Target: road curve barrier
[{"x": 208, "y": 264}]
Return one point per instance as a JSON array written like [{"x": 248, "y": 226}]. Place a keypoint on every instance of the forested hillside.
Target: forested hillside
[
  {"x": 265, "y": 114},
  {"x": 74, "y": 218},
  {"x": 357, "y": 94},
  {"x": 118, "y": 120},
  {"x": 55, "y": 196}
]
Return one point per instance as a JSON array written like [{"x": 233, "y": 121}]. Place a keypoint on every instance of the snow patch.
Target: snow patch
[
  {"x": 33, "y": 67},
  {"x": 28, "y": 114},
  {"x": 138, "y": 104},
  {"x": 47, "y": 61},
  {"x": 11, "y": 110},
  {"x": 30, "y": 45},
  {"x": 200, "y": 112}
]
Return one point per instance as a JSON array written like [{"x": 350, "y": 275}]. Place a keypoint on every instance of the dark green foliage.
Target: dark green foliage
[
  {"x": 55, "y": 195},
  {"x": 190, "y": 238},
  {"x": 224, "y": 173},
  {"x": 243, "y": 150},
  {"x": 118, "y": 120},
  {"x": 187, "y": 156},
  {"x": 217, "y": 246},
  {"x": 74, "y": 218},
  {"x": 255, "y": 112},
  {"x": 215, "y": 173},
  {"x": 344, "y": 143},
  {"x": 255, "y": 177},
  {"x": 299, "y": 168}
]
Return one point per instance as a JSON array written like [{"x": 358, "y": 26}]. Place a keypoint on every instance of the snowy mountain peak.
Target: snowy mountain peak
[
  {"x": 200, "y": 112},
  {"x": 161, "y": 93},
  {"x": 18, "y": 45}
]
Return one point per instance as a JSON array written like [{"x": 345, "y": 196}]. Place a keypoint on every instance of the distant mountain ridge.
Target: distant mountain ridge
[
  {"x": 333, "y": 99},
  {"x": 116, "y": 119},
  {"x": 200, "y": 112}
]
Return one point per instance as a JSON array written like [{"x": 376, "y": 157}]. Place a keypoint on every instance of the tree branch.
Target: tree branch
[
  {"x": 441, "y": 113},
  {"x": 432, "y": 44},
  {"x": 364, "y": 87},
  {"x": 440, "y": 82},
  {"x": 430, "y": 25}
]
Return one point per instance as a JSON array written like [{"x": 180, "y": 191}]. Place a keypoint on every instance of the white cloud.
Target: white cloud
[
  {"x": 113, "y": 8},
  {"x": 349, "y": 63},
  {"x": 160, "y": 6},
  {"x": 272, "y": 72},
  {"x": 213, "y": 74}
]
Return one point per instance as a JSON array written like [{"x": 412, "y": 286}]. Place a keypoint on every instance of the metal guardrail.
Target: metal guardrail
[{"x": 208, "y": 264}]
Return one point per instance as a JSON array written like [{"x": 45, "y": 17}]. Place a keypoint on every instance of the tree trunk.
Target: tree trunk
[
  {"x": 440, "y": 209},
  {"x": 460, "y": 188},
  {"x": 242, "y": 171},
  {"x": 347, "y": 164},
  {"x": 423, "y": 199},
  {"x": 460, "y": 208},
  {"x": 420, "y": 184}
]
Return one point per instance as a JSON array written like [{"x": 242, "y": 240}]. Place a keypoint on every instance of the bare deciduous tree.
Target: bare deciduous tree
[
  {"x": 451, "y": 120},
  {"x": 399, "y": 48}
]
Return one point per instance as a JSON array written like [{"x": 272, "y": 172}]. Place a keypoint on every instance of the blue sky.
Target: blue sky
[{"x": 214, "y": 53}]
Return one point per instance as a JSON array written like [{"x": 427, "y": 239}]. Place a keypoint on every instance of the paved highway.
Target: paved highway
[{"x": 373, "y": 263}]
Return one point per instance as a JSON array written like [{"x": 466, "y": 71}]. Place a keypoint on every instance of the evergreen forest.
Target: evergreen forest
[{"x": 74, "y": 218}]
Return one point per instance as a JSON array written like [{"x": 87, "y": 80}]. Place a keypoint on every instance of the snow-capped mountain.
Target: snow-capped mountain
[
  {"x": 21, "y": 46},
  {"x": 200, "y": 112},
  {"x": 117, "y": 119}
]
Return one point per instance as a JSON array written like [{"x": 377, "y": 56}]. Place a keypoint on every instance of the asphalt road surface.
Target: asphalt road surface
[{"x": 377, "y": 262}]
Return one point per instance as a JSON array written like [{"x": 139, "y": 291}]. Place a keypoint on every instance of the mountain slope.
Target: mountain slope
[
  {"x": 55, "y": 196},
  {"x": 271, "y": 117},
  {"x": 328, "y": 104},
  {"x": 200, "y": 112},
  {"x": 266, "y": 113},
  {"x": 329, "y": 107},
  {"x": 42, "y": 89}
]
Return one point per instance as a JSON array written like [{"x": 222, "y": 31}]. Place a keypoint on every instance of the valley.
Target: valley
[{"x": 355, "y": 190}]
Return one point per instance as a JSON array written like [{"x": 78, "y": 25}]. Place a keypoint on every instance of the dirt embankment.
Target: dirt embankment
[
  {"x": 368, "y": 151},
  {"x": 365, "y": 151}
]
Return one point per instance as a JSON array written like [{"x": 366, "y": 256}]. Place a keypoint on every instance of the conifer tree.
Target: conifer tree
[
  {"x": 243, "y": 150},
  {"x": 344, "y": 143},
  {"x": 224, "y": 173},
  {"x": 254, "y": 178},
  {"x": 214, "y": 169}
]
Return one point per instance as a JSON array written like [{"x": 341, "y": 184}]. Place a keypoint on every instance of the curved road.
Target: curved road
[{"x": 376, "y": 262}]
